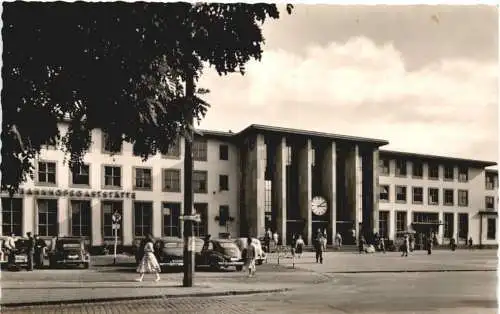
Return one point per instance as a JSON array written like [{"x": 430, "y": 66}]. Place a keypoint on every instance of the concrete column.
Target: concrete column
[
  {"x": 96, "y": 235},
  {"x": 128, "y": 219},
  {"x": 358, "y": 200},
  {"x": 157, "y": 219},
  {"x": 305, "y": 186},
  {"x": 392, "y": 225},
  {"x": 279, "y": 188},
  {"x": 64, "y": 216},
  {"x": 29, "y": 214},
  {"x": 375, "y": 195},
  {"x": 259, "y": 225},
  {"x": 409, "y": 219},
  {"x": 440, "y": 231},
  {"x": 329, "y": 188}
]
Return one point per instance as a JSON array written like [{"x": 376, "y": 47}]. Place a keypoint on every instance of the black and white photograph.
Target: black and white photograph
[{"x": 249, "y": 157}]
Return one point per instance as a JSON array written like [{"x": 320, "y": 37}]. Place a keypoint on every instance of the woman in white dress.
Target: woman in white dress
[{"x": 149, "y": 264}]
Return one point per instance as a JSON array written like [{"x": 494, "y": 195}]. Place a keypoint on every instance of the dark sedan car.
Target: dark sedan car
[
  {"x": 220, "y": 254},
  {"x": 171, "y": 252},
  {"x": 69, "y": 251}
]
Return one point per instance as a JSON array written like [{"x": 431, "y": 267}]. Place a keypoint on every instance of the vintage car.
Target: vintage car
[
  {"x": 170, "y": 252},
  {"x": 220, "y": 254},
  {"x": 19, "y": 259},
  {"x": 242, "y": 245},
  {"x": 68, "y": 251}
]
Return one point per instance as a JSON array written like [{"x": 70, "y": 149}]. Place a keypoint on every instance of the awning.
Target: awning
[{"x": 488, "y": 213}]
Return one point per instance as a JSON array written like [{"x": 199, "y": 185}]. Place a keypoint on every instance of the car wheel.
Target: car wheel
[
  {"x": 86, "y": 265},
  {"x": 215, "y": 266},
  {"x": 239, "y": 268},
  {"x": 258, "y": 262}
]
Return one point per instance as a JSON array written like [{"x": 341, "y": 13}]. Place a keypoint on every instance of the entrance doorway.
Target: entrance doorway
[
  {"x": 295, "y": 227},
  {"x": 345, "y": 229},
  {"x": 422, "y": 233},
  {"x": 322, "y": 226}
]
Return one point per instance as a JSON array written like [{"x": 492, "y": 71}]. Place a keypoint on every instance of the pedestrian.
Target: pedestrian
[
  {"x": 406, "y": 246},
  {"x": 338, "y": 240},
  {"x": 470, "y": 243},
  {"x": 275, "y": 240},
  {"x": 361, "y": 244},
  {"x": 149, "y": 263},
  {"x": 320, "y": 246},
  {"x": 429, "y": 245},
  {"x": 40, "y": 246},
  {"x": 411, "y": 241},
  {"x": 10, "y": 245},
  {"x": 293, "y": 246},
  {"x": 300, "y": 246},
  {"x": 250, "y": 256},
  {"x": 30, "y": 250},
  {"x": 267, "y": 240},
  {"x": 453, "y": 244},
  {"x": 382, "y": 244}
]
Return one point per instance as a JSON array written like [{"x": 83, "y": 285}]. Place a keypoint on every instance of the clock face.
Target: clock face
[{"x": 319, "y": 206}]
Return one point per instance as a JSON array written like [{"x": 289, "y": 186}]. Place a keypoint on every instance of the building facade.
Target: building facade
[{"x": 291, "y": 181}]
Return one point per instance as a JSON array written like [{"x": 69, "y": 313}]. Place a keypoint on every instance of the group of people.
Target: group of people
[{"x": 34, "y": 246}]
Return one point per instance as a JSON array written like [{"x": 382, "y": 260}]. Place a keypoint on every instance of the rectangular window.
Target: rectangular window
[
  {"x": 12, "y": 216},
  {"x": 143, "y": 218},
  {"x": 489, "y": 202},
  {"x": 490, "y": 181},
  {"x": 448, "y": 225},
  {"x": 201, "y": 228},
  {"x": 463, "y": 226},
  {"x": 383, "y": 224},
  {"x": 401, "y": 170},
  {"x": 112, "y": 176},
  {"x": 143, "y": 178},
  {"x": 463, "y": 174},
  {"x": 418, "y": 195},
  {"x": 433, "y": 171},
  {"x": 47, "y": 217},
  {"x": 171, "y": 180},
  {"x": 223, "y": 182},
  {"x": 82, "y": 177},
  {"x": 46, "y": 172},
  {"x": 200, "y": 182},
  {"x": 223, "y": 152},
  {"x": 433, "y": 196},
  {"x": 108, "y": 209},
  {"x": 463, "y": 198},
  {"x": 223, "y": 214},
  {"x": 417, "y": 169},
  {"x": 401, "y": 221},
  {"x": 448, "y": 197},
  {"x": 80, "y": 218},
  {"x": 401, "y": 194},
  {"x": 200, "y": 149},
  {"x": 424, "y": 217},
  {"x": 384, "y": 192},
  {"x": 108, "y": 146},
  {"x": 449, "y": 173},
  {"x": 171, "y": 223},
  {"x": 384, "y": 166},
  {"x": 174, "y": 151},
  {"x": 491, "y": 229}
]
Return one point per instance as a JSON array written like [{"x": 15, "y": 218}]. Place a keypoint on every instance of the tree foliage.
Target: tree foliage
[{"x": 117, "y": 66}]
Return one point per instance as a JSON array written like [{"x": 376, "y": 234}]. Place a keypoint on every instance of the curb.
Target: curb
[
  {"x": 153, "y": 297},
  {"x": 410, "y": 271}
]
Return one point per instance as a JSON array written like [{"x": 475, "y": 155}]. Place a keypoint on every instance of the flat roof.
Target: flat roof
[
  {"x": 282, "y": 130},
  {"x": 475, "y": 162}
]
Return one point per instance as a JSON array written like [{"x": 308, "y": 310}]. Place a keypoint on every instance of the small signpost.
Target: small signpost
[{"x": 116, "y": 218}]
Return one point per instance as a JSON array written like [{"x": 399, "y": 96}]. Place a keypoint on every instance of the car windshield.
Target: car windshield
[
  {"x": 71, "y": 245},
  {"x": 173, "y": 244},
  {"x": 227, "y": 245}
]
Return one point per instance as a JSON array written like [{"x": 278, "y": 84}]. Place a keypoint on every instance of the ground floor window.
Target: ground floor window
[
  {"x": 401, "y": 221},
  {"x": 492, "y": 229},
  {"x": 80, "y": 218},
  {"x": 12, "y": 216},
  {"x": 463, "y": 226},
  {"x": 201, "y": 228},
  {"x": 171, "y": 224},
  {"x": 143, "y": 218},
  {"x": 448, "y": 225},
  {"x": 425, "y": 217},
  {"x": 383, "y": 224},
  {"x": 47, "y": 217},
  {"x": 108, "y": 209}
]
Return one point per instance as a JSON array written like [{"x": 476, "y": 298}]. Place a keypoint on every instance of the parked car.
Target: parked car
[
  {"x": 242, "y": 245},
  {"x": 171, "y": 252},
  {"x": 19, "y": 259},
  {"x": 69, "y": 251},
  {"x": 220, "y": 254}
]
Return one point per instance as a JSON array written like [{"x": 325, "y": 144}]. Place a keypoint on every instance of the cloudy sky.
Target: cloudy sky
[{"x": 425, "y": 78}]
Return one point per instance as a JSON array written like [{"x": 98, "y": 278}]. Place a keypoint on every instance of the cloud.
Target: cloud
[{"x": 360, "y": 88}]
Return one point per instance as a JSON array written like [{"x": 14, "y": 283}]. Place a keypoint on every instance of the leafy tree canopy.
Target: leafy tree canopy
[{"x": 120, "y": 67}]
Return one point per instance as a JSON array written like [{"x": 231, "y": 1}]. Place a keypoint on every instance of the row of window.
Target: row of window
[
  {"x": 417, "y": 170},
  {"x": 81, "y": 218},
  {"x": 143, "y": 178},
  {"x": 401, "y": 195}
]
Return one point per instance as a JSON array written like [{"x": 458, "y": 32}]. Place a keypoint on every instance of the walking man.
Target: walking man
[
  {"x": 320, "y": 245},
  {"x": 406, "y": 246},
  {"x": 31, "y": 251},
  {"x": 250, "y": 257},
  {"x": 39, "y": 251},
  {"x": 429, "y": 245},
  {"x": 338, "y": 240},
  {"x": 10, "y": 245}
]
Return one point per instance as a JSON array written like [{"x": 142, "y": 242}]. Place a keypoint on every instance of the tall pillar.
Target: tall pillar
[
  {"x": 96, "y": 218},
  {"x": 329, "y": 169},
  {"x": 128, "y": 220},
  {"x": 305, "y": 187},
  {"x": 391, "y": 232},
  {"x": 279, "y": 187},
  {"x": 64, "y": 216},
  {"x": 440, "y": 231},
  {"x": 259, "y": 225},
  {"x": 375, "y": 196},
  {"x": 157, "y": 219},
  {"x": 30, "y": 210},
  {"x": 358, "y": 199}
]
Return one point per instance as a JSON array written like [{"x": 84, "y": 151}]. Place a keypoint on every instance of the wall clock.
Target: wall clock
[{"x": 319, "y": 206}]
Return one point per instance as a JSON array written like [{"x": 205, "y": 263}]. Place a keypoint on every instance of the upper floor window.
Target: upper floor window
[
  {"x": 463, "y": 198},
  {"x": 143, "y": 178},
  {"x": 490, "y": 181},
  {"x": 112, "y": 176},
  {"x": 200, "y": 149},
  {"x": 384, "y": 193},
  {"x": 448, "y": 198},
  {"x": 401, "y": 168},
  {"x": 200, "y": 182},
  {"x": 433, "y": 171},
  {"x": 463, "y": 174},
  {"x": 46, "y": 172},
  {"x": 449, "y": 173},
  {"x": 174, "y": 150},
  {"x": 384, "y": 165},
  {"x": 401, "y": 194},
  {"x": 82, "y": 177},
  {"x": 223, "y": 152},
  {"x": 489, "y": 202},
  {"x": 223, "y": 182},
  {"x": 418, "y": 195},
  {"x": 417, "y": 169},
  {"x": 433, "y": 196},
  {"x": 108, "y": 146},
  {"x": 171, "y": 180}
]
